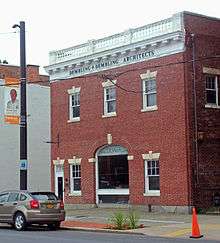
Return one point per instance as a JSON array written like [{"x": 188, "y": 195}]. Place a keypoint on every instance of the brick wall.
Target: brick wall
[
  {"x": 206, "y": 174},
  {"x": 158, "y": 131}
]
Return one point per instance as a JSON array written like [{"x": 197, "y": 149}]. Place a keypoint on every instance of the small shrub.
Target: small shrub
[
  {"x": 133, "y": 220},
  {"x": 118, "y": 220}
]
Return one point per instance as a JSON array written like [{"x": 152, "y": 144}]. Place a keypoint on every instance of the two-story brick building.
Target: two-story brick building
[{"x": 137, "y": 116}]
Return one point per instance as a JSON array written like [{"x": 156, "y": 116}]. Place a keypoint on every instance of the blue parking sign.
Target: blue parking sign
[{"x": 23, "y": 164}]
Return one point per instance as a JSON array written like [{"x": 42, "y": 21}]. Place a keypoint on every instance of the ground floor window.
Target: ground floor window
[
  {"x": 113, "y": 172},
  {"x": 75, "y": 178},
  {"x": 152, "y": 176}
]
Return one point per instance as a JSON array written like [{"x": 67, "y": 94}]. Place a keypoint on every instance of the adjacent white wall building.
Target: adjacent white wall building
[{"x": 38, "y": 132}]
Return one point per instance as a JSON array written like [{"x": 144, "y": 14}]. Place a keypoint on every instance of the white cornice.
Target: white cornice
[{"x": 163, "y": 38}]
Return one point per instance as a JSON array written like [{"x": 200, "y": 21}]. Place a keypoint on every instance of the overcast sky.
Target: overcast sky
[{"x": 53, "y": 24}]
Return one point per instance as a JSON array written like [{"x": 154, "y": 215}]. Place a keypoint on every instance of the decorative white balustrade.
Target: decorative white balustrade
[{"x": 130, "y": 36}]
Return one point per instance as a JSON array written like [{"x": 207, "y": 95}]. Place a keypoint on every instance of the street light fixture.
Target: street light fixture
[{"x": 23, "y": 112}]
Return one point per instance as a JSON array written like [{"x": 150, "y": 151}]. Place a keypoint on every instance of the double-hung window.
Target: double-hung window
[
  {"x": 75, "y": 176},
  {"x": 149, "y": 91},
  {"x": 152, "y": 174},
  {"x": 74, "y": 104},
  {"x": 212, "y": 91},
  {"x": 109, "y": 98}
]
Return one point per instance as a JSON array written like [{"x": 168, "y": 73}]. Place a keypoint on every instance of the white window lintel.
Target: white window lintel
[
  {"x": 108, "y": 83},
  {"x": 150, "y": 156},
  {"x": 73, "y": 90},
  {"x": 148, "y": 75},
  {"x": 75, "y": 160}
]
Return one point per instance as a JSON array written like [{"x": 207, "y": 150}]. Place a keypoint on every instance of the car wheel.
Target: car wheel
[
  {"x": 54, "y": 226},
  {"x": 19, "y": 221}
]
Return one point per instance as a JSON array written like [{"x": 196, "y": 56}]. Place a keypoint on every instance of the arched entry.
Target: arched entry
[{"x": 112, "y": 175}]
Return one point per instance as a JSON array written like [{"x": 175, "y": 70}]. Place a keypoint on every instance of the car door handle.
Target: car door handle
[
  {"x": 1, "y": 204},
  {"x": 15, "y": 203}
]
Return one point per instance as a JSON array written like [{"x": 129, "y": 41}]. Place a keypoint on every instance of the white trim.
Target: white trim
[
  {"x": 76, "y": 119},
  {"x": 113, "y": 191},
  {"x": 75, "y": 160},
  {"x": 150, "y": 108},
  {"x": 213, "y": 71},
  {"x": 58, "y": 161},
  {"x": 148, "y": 75},
  {"x": 75, "y": 194},
  {"x": 109, "y": 138},
  {"x": 109, "y": 83},
  {"x": 130, "y": 157},
  {"x": 92, "y": 160},
  {"x": 112, "y": 114},
  {"x": 152, "y": 194},
  {"x": 151, "y": 156},
  {"x": 213, "y": 106},
  {"x": 73, "y": 90}
]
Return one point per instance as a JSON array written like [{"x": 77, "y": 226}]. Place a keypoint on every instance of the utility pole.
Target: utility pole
[{"x": 23, "y": 112}]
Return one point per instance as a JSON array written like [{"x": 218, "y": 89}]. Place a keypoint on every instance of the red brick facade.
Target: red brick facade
[{"x": 169, "y": 130}]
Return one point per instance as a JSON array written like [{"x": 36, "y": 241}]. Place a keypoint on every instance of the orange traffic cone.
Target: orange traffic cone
[{"x": 195, "y": 226}]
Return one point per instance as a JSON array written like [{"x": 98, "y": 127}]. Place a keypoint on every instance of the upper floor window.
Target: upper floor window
[
  {"x": 149, "y": 91},
  {"x": 109, "y": 98},
  {"x": 212, "y": 90},
  {"x": 74, "y": 104}
]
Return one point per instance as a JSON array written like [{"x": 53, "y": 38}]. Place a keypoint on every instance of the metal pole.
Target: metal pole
[{"x": 23, "y": 112}]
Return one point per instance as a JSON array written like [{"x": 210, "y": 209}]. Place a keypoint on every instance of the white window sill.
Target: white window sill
[
  {"x": 77, "y": 119},
  {"x": 152, "y": 194},
  {"x": 214, "y": 106},
  {"x": 112, "y": 114},
  {"x": 75, "y": 194},
  {"x": 150, "y": 108}
]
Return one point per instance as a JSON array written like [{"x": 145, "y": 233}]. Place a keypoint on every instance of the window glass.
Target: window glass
[
  {"x": 113, "y": 172},
  {"x": 211, "y": 90},
  {"x": 3, "y": 197},
  {"x": 44, "y": 196},
  {"x": 150, "y": 93},
  {"x": 110, "y": 99},
  {"x": 76, "y": 177},
  {"x": 23, "y": 197},
  {"x": 75, "y": 105},
  {"x": 152, "y": 176},
  {"x": 13, "y": 197}
]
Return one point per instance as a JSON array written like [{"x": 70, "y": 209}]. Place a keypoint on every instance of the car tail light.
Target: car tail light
[
  {"x": 34, "y": 204},
  {"x": 61, "y": 205}
]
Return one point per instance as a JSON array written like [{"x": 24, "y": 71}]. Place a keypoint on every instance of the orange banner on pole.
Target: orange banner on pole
[{"x": 12, "y": 101}]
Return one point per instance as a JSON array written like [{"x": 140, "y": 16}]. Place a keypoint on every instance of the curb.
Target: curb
[{"x": 101, "y": 230}]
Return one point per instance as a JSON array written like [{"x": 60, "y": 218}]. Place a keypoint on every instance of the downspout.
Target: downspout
[{"x": 195, "y": 108}]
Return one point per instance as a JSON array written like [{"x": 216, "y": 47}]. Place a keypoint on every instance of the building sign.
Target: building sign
[
  {"x": 12, "y": 101},
  {"x": 102, "y": 65},
  {"x": 113, "y": 150}
]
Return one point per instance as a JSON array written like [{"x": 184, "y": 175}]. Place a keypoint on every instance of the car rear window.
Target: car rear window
[{"x": 44, "y": 196}]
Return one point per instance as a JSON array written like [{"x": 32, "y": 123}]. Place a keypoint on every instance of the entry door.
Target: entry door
[
  {"x": 60, "y": 187},
  {"x": 59, "y": 175}
]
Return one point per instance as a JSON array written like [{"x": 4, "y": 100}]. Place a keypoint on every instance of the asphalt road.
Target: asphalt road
[{"x": 43, "y": 235}]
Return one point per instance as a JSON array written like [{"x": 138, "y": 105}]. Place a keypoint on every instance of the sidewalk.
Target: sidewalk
[{"x": 155, "y": 224}]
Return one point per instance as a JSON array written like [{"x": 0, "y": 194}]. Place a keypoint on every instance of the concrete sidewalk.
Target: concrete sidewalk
[{"x": 155, "y": 224}]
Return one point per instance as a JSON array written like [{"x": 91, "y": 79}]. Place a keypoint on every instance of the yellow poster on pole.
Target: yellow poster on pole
[{"x": 12, "y": 101}]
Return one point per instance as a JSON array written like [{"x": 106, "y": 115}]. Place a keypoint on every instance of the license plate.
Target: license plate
[{"x": 50, "y": 206}]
